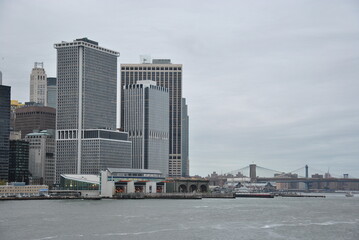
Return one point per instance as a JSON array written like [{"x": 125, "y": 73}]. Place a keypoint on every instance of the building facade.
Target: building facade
[
  {"x": 34, "y": 118},
  {"x": 86, "y": 110},
  {"x": 19, "y": 161},
  {"x": 169, "y": 76},
  {"x": 38, "y": 84},
  {"x": 42, "y": 156},
  {"x": 185, "y": 139},
  {"x": 100, "y": 149},
  {"x": 4, "y": 131},
  {"x": 116, "y": 181},
  {"x": 51, "y": 92},
  {"x": 15, "y": 104},
  {"x": 146, "y": 119}
]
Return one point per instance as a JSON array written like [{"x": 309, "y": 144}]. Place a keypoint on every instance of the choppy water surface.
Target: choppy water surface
[{"x": 335, "y": 217}]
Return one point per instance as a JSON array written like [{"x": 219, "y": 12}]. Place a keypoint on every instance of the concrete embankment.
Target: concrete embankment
[
  {"x": 298, "y": 195},
  {"x": 157, "y": 196},
  {"x": 218, "y": 195},
  {"x": 50, "y": 198}
]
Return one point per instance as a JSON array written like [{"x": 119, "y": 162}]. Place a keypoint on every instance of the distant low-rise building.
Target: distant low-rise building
[{"x": 17, "y": 189}]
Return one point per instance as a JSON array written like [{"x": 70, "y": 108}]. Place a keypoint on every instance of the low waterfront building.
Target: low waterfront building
[
  {"x": 20, "y": 189},
  {"x": 85, "y": 184},
  {"x": 127, "y": 180},
  {"x": 187, "y": 185}
]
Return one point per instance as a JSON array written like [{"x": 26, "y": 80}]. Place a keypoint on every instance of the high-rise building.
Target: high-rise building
[
  {"x": 146, "y": 119},
  {"x": 19, "y": 161},
  {"x": 4, "y": 131},
  {"x": 185, "y": 139},
  {"x": 86, "y": 103},
  {"x": 15, "y": 104},
  {"x": 169, "y": 76},
  {"x": 34, "y": 118},
  {"x": 38, "y": 84},
  {"x": 51, "y": 92},
  {"x": 42, "y": 156},
  {"x": 0, "y": 78}
]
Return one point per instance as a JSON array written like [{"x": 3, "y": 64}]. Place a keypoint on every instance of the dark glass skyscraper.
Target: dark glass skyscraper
[
  {"x": 19, "y": 161},
  {"x": 4, "y": 131}
]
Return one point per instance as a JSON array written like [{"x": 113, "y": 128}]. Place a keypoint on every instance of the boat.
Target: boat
[{"x": 349, "y": 194}]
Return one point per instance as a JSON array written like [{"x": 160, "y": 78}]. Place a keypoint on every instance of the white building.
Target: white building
[{"x": 38, "y": 84}]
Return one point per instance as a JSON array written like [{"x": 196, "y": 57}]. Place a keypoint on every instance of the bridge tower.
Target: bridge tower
[
  {"x": 253, "y": 172},
  {"x": 306, "y": 171}
]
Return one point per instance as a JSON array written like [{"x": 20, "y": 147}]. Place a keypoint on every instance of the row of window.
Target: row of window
[{"x": 152, "y": 68}]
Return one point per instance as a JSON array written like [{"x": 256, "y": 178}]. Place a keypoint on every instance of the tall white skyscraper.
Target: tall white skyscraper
[
  {"x": 38, "y": 84},
  {"x": 86, "y": 110},
  {"x": 146, "y": 119}
]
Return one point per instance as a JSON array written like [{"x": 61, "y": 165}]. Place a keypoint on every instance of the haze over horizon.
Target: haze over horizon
[{"x": 270, "y": 82}]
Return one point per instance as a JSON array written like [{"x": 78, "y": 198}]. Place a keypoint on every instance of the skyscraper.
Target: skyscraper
[
  {"x": 4, "y": 131},
  {"x": 31, "y": 118},
  {"x": 185, "y": 139},
  {"x": 169, "y": 76},
  {"x": 38, "y": 84},
  {"x": 51, "y": 92},
  {"x": 86, "y": 110},
  {"x": 19, "y": 161},
  {"x": 146, "y": 117},
  {"x": 41, "y": 156}
]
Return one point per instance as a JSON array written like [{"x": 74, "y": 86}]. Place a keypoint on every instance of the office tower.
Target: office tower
[
  {"x": 51, "y": 92},
  {"x": 169, "y": 76},
  {"x": 41, "y": 156},
  {"x": 0, "y": 78},
  {"x": 4, "y": 131},
  {"x": 185, "y": 139},
  {"x": 146, "y": 119},
  {"x": 19, "y": 161},
  {"x": 38, "y": 84},
  {"x": 15, "y": 104},
  {"x": 34, "y": 118},
  {"x": 86, "y": 102}
]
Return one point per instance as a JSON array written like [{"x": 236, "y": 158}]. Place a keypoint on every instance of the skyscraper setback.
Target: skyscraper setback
[
  {"x": 86, "y": 110},
  {"x": 169, "y": 76}
]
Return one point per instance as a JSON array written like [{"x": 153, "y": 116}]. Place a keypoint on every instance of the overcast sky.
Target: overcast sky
[{"x": 270, "y": 82}]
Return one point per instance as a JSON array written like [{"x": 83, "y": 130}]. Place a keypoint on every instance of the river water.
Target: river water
[{"x": 334, "y": 217}]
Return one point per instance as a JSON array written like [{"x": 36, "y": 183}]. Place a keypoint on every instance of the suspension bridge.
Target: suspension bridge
[{"x": 261, "y": 174}]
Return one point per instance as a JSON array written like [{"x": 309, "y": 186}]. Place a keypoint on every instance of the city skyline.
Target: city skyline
[{"x": 273, "y": 83}]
